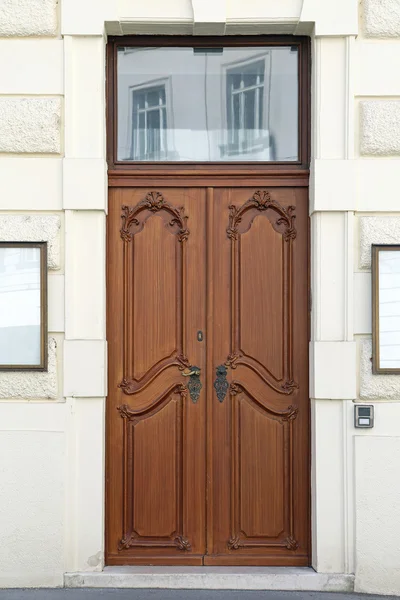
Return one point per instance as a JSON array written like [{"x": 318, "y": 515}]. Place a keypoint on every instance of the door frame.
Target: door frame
[{"x": 263, "y": 174}]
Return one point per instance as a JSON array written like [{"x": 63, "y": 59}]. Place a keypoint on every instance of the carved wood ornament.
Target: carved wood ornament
[
  {"x": 128, "y": 413},
  {"x": 286, "y": 415},
  {"x": 153, "y": 202},
  {"x": 235, "y": 543},
  {"x": 132, "y": 541},
  {"x": 130, "y": 386},
  {"x": 261, "y": 201}
]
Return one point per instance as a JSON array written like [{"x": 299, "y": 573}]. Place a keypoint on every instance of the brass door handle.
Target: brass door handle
[
  {"x": 194, "y": 371},
  {"x": 194, "y": 384}
]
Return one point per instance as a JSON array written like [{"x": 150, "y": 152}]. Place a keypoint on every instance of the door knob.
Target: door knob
[{"x": 194, "y": 384}]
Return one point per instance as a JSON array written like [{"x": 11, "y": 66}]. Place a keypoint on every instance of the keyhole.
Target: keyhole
[{"x": 199, "y": 336}]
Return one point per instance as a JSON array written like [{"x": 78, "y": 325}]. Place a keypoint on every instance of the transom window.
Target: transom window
[{"x": 216, "y": 104}]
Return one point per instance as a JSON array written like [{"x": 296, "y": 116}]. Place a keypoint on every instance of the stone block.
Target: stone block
[
  {"x": 28, "y": 17},
  {"x": 34, "y": 228},
  {"x": 377, "y": 230},
  {"x": 30, "y": 125},
  {"x": 380, "y": 127},
  {"x": 32, "y": 384},
  {"x": 382, "y": 18},
  {"x": 375, "y": 387}
]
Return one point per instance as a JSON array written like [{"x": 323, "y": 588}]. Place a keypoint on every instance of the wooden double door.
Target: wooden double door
[{"x": 208, "y": 410}]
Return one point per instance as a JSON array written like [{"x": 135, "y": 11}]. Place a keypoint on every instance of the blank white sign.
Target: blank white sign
[
  {"x": 20, "y": 309},
  {"x": 389, "y": 309}
]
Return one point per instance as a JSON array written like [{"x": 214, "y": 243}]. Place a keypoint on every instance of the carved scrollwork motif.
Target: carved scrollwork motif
[
  {"x": 232, "y": 360},
  {"x": 183, "y": 362},
  {"x": 291, "y": 543},
  {"x": 126, "y": 542},
  {"x": 154, "y": 202},
  {"x": 234, "y": 543},
  {"x": 289, "y": 386},
  {"x": 286, "y": 415},
  {"x": 291, "y": 413},
  {"x": 286, "y": 388},
  {"x": 127, "y": 413},
  {"x": 261, "y": 201},
  {"x": 132, "y": 540},
  {"x": 130, "y": 386},
  {"x": 235, "y": 388},
  {"x": 182, "y": 543}
]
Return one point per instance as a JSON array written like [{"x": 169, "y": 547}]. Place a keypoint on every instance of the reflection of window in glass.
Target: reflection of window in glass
[
  {"x": 149, "y": 139},
  {"x": 229, "y": 104},
  {"x": 245, "y": 96},
  {"x": 28, "y": 255}
]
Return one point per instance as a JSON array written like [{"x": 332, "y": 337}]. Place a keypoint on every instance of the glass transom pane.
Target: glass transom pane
[{"x": 215, "y": 104}]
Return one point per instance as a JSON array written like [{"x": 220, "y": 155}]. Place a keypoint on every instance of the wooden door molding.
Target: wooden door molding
[
  {"x": 285, "y": 537},
  {"x": 283, "y": 221},
  {"x": 133, "y": 538},
  {"x": 153, "y": 202},
  {"x": 133, "y": 221}
]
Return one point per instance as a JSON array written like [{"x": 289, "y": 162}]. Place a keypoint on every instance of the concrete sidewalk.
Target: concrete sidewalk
[{"x": 160, "y": 594}]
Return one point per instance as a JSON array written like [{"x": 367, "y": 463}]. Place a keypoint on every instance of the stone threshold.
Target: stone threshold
[{"x": 213, "y": 578}]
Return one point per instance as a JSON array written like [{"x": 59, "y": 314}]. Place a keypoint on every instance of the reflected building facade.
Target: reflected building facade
[{"x": 211, "y": 104}]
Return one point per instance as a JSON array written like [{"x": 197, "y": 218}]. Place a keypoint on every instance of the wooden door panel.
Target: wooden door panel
[
  {"x": 260, "y": 297},
  {"x": 262, "y": 490},
  {"x": 261, "y": 231},
  {"x": 156, "y": 466},
  {"x": 261, "y": 514},
  {"x": 157, "y": 338},
  {"x": 259, "y": 484},
  {"x": 153, "y": 475}
]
